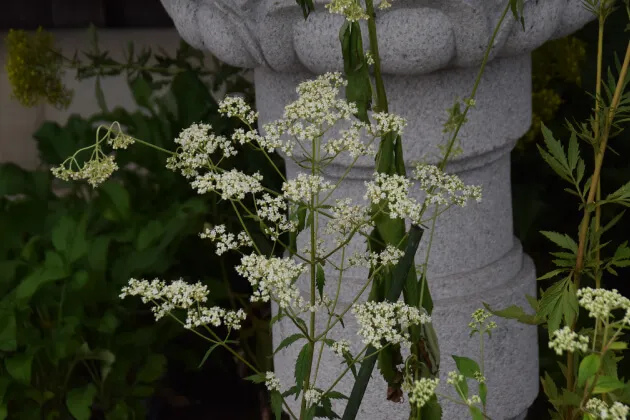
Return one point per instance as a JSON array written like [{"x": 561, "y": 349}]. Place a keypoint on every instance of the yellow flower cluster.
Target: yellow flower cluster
[{"x": 34, "y": 68}]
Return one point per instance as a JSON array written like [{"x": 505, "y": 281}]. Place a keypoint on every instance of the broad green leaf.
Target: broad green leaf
[
  {"x": 33, "y": 282},
  {"x": 606, "y": 384},
  {"x": 149, "y": 234},
  {"x": 97, "y": 253},
  {"x": 153, "y": 369},
  {"x": 79, "y": 402},
  {"x": 320, "y": 279},
  {"x": 118, "y": 198},
  {"x": 618, "y": 345},
  {"x": 303, "y": 365},
  {"x": 288, "y": 341},
  {"x": 336, "y": 395},
  {"x": 19, "y": 367},
  {"x": 8, "y": 331},
  {"x": 142, "y": 91},
  {"x": 588, "y": 368},
  {"x": 466, "y": 366},
  {"x": 476, "y": 413}
]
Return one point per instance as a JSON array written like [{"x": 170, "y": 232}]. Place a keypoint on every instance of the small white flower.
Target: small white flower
[
  {"x": 341, "y": 347},
  {"x": 351, "y": 9},
  {"x": 232, "y": 185},
  {"x": 224, "y": 240},
  {"x": 599, "y": 409},
  {"x": 235, "y": 106},
  {"x": 305, "y": 187},
  {"x": 480, "y": 378},
  {"x": 272, "y": 382},
  {"x": 601, "y": 302},
  {"x": 454, "y": 378},
  {"x": 420, "y": 391},
  {"x": 387, "y": 322},
  {"x": 312, "y": 396},
  {"x": 445, "y": 189},
  {"x": 566, "y": 340},
  {"x": 95, "y": 171},
  {"x": 475, "y": 399},
  {"x": 271, "y": 278},
  {"x": 387, "y": 123}
]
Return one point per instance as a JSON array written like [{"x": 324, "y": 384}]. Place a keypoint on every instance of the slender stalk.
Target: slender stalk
[{"x": 599, "y": 160}]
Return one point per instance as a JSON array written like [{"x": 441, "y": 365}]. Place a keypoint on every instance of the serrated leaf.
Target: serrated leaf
[
  {"x": 552, "y": 274},
  {"x": 257, "y": 378},
  {"x": 618, "y": 345},
  {"x": 276, "y": 404},
  {"x": 320, "y": 279},
  {"x": 288, "y": 341},
  {"x": 573, "y": 153},
  {"x": 606, "y": 384},
  {"x": 549, "y": 386},
  {"x": 514, "y": 312},
  {"x": 562, "y": 240},
  {"x": 466, "y": 366},
  {"x": 588, "y": 368},
  {"x": 303, "y": 365},
  {"x": 336, "y": 395},
  {"x": 208, "y": 352}
]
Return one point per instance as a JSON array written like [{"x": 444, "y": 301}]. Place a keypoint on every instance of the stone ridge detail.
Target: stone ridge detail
[{"x": 415, "y": 37}]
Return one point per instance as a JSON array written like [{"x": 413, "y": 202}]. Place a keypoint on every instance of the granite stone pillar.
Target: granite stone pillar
[{"x": 430, "y": 51}]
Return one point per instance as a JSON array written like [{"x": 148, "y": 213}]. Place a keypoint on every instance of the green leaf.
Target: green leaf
[
  {"x": 618, "y": 345},
  {"x": 336, "y": 395},
  {"x": 606, "y": 384},
  {"x": 573, "y": 152},
  {"x": 515, "y": 312},
  {"x": 549, "y": 386},
  {"x": 552, "y": 304},
  {"x": 118, "y": 198},
  {"x": 142, "y": 91},
  {"x": 8, "y": 331},
  {"x": 288, "y": 341},
  {"x": 19, "y": 367},
  {"x": 320, "y": 279},
  {"x": 303, "y": 365},
  {"x": 466, "y": 366},
  {"x": 100, "y": 97},
  {"x": 588, "y": 368},
  {"x": 79, "y": 402},
  {"x": 552, "y": 274},
  {"x": 476, "y": 413},
  {"x": 359, "y": 85},
  {"x": 483, "y": 392},
  {"x": 208, "y": 352},
  {"x": 554, "y": 146},
  {"x": 33, "y": 282},
  {"x": 276, "y": 404},
  {"x": 564, "y": 241},
  {"x": 153, "y": 369},
  {"x": 97, "y": 253},
  {"x": 257, "y": 378},
  {"x": 149, "y": 234}
]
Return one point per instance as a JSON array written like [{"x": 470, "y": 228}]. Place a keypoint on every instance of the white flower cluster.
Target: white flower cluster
[
  {"x": 341, "y": 347},
  {"x": 350, "y": 141},
  {"x": 454, "y": 378},
  {"x": 393, "y": 192},
  {"x": 272, "y": 382},
  {"x": 305, "y": 187},
  {"x": 224, "y": 240},
  {"x": 479, "y": 324},
  {"x": 480, "y": 378},
  {"x": 95, "y": 171},
  {"x": 351, "y": 9},
  {"x": 386, "y": 123},
  {"x": 600, "y": 410},
  {"x": 232, "y": 185},
  {"x": 420, "y": 391},
  {"x": 601, "y": 302},
  {"x": 181, "y": 295},
  {"x": 312, "y": 396},
  {"x": 272, "y": 278},
  {"x": 274, "y": 209},
  {"x": 347, "y": 218},
  {"x": 566, "y": 340},
  {"x": 235, "y": 106},
  {"x": 386, "y": 322},
  {"x": 318, "y": 105},
  {"x": 120, "y": 140},
  {"x": 445, "y": 189},
  {"x": 196, "y": 145},
  {"x": 389, "y": 256},
  {"x": 215, "y": 316},
  {"x": 244, "y": 137}
]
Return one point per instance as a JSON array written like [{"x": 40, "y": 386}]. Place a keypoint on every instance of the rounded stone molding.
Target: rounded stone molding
[{"x": 416, "y": 37}]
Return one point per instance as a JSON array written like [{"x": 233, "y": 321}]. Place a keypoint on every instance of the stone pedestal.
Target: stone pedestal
[{"x": 431, "y": 52}]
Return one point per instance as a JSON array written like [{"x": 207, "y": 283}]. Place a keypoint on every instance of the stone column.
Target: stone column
[{"x": 431, "y": 52}]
